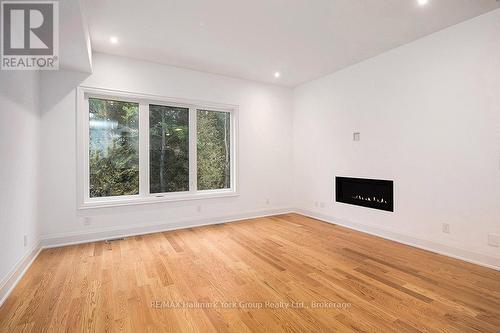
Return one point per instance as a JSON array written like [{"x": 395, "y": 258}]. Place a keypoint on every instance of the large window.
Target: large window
[{"x": 138, "y": 149}]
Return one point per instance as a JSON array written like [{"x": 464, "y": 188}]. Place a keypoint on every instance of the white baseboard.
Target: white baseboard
[
  {"x": 16, "y": 274},
  {"x": 63, "y": 239},
  {"x": 465, "y": 255}
]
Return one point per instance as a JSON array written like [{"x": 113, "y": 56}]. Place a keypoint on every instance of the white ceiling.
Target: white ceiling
[{"x": 252, "y": 39}]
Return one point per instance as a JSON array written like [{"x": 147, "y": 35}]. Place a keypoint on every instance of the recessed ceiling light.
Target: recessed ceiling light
[
  {"x": 277, "y": 74},
  {"x": 423, "y": 2},
  {"x": 113, "y": 40}
]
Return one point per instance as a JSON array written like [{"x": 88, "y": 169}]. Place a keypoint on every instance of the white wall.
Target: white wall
[
  {"x": 265, "y": 153},
  {"x": 429, "y": 117},
  {"x": 19, "y": 137}
]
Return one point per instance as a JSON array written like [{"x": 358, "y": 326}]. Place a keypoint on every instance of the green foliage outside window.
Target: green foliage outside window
[
  {"x": 168, "y": 149},
  {"x": 113, "y": 148},
  {"x": 214, "y": 163}
]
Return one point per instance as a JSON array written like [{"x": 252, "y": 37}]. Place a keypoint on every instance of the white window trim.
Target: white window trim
[{"x": 144, "y": 197}]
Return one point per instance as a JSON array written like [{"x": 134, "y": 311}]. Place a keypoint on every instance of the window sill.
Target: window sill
[{"x": 155, "y": 199}]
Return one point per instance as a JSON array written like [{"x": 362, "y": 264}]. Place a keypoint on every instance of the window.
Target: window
[
  {"x": 168, "y": 149},
  {"x": 214, "y": 156},
  {"x": 113, "y": 148},
  {"x": 140, "y": 149}
]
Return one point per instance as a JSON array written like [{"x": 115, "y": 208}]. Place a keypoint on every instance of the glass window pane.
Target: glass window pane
[
  {"x": 214, "y": 165},
  {"x": 169, "y": 149},
  {"x": 113, "y": 148}
]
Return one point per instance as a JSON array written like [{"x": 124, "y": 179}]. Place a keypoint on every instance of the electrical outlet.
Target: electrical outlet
[
  {"x": 87, "y": 221},
  {"x": 25, "y": 240},
  {"x": 268, "y": 201},
  {"x": 198, "y": 208},
  {"x": 315, "y": 204},
  {"x": 446, "y": 228},
  {"x": 494, "y": 240}
]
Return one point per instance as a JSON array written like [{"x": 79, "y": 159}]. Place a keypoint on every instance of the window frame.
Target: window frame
[{"x": 144, "y": 196}]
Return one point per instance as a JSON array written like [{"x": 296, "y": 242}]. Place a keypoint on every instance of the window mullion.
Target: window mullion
[
  {"x": 143, "y": 149},
  {"x": 192, "y": 151},
  {"x": 86, "y": 151}
]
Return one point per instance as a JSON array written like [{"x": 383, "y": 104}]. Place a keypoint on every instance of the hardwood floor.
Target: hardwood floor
[{"x": 284, "y": 273}]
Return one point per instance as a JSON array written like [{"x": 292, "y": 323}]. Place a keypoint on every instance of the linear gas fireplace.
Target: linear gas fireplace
[{"x": 372, "y": 193}]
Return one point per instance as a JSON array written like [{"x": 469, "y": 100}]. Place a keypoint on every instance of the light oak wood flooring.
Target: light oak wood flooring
[{"x": 286, "y": 273}]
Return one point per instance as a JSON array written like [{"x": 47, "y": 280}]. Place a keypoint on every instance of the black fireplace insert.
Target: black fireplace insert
[{"x": 372, "y": 193}]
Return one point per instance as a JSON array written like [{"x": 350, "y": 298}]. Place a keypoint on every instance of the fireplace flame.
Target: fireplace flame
[{"x": 370, "y": 199}]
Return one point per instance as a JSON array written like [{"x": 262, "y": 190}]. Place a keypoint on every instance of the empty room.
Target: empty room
[{"x": 250, "y": 166}]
